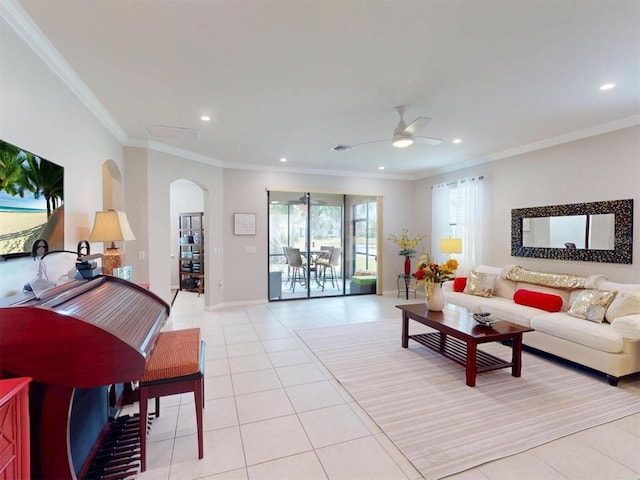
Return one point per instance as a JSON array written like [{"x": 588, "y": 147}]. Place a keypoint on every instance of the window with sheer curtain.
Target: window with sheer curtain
[{"x": 458, "y": 213}]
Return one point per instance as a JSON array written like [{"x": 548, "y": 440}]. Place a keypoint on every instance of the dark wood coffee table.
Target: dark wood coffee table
[{"x": 458, "y": 323}]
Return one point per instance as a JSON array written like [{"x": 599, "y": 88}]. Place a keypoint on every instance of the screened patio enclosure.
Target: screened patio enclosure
[{"x": 318, "y": 241}]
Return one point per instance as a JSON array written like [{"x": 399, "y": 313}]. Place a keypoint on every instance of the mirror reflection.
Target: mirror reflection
[
  {"x": 596, "y": 232},
  {"x": 587, "y": 232}
]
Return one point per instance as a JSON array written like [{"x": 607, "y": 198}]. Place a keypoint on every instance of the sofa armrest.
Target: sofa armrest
[
  {"x": 627, "y": 326},
  {"x": 447, "y": 286}
]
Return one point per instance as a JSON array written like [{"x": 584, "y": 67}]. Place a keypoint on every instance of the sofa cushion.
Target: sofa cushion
[
  {"x": 628, "y": 287},
  {"x": 365, "y": 273},
  {"x": 599, "y": 336},
  {"x": 625, "y": 303},
  {"x": 544, "y": 301},
  {"x": 472, "y": 303},
  {"x": 480, "y": 284},
  {"x": 363, "y": 280},
  {"x": 627, "y": 326},
  {"x": 555, "y": 280},
  {"x": 592, "y": 305},
  {"x": 502, "y": 287},
  {"x": 507, "y": 309},
  {"x": 459, "y": 283}
]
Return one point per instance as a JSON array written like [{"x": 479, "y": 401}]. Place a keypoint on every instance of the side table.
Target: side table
[
  {"x": 404, "y": 282},
  {"x": 15, "y": 456}
]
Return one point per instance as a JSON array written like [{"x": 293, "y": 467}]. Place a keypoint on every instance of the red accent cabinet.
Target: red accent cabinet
[{"x": 14, "y": 429}]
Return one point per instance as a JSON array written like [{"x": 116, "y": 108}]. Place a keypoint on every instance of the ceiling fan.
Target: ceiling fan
[
  {"x": 403, "y": 135},
  {"x": 304, "y": 199}
]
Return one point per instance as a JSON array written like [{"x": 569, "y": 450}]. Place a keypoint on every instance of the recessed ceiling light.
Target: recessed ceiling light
[
  {"x": 274, "y": 202},
  {"x": 381, "y": 168},
  {"x": 205, "y": 118},
  {"x": 607, "y": 86},
  {"x": 283, "y": 159},
  {"x": 457, "y": 140}
]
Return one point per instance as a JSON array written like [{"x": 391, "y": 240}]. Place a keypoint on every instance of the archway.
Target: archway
[
  {"x": 185, "y": 196},
  {"x": 112, "y": 187}
]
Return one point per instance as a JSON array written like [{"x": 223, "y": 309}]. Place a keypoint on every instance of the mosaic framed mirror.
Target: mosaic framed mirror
[{"x": 589, "y": 232}]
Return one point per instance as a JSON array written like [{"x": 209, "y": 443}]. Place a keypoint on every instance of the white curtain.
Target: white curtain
[
  {"x": 440, "y": 218},
  {"x": 471, "y": 220},
  {"x": 459, "y": 204}
]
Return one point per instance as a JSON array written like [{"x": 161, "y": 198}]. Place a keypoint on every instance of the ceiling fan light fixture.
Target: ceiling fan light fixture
[{"x": 402, "y": 140}]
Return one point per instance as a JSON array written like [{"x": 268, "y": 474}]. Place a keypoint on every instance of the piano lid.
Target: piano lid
[{"x": 83, "y": 334}]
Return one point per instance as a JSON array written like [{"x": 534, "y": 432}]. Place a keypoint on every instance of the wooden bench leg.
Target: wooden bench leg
[{"x": 199, "y": 404}]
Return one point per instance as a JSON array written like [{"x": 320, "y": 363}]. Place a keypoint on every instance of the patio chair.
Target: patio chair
[{"x": 331, "y": 264}]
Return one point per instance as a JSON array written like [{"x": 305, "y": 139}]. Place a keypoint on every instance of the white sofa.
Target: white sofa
[{"x": 612, "y": 348}]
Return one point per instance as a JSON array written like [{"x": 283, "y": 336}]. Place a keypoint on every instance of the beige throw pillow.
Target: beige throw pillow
[
  {"x": 480, "y": 284},
  {"x": 592, "y": 305},
  {"x": 625, "y": 303}
]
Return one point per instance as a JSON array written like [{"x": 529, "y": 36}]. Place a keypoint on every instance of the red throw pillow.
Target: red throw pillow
[
  {"x": 544, "y": 301},
  {"x": 459, "y": 283}
]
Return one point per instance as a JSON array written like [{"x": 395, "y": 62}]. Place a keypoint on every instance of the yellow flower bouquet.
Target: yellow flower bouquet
[
  {"x": 429, "y": 272},
  {"x": 407, "y": 245}
]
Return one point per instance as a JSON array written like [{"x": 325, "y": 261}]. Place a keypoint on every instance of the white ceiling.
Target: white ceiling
[{"x": 294, "y": 78}]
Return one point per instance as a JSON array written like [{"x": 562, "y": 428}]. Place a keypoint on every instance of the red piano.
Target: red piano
[{"x": 87, "y": 333}]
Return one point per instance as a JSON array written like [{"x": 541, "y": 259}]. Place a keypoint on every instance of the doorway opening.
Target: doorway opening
[{"x": 186, "y": 196}]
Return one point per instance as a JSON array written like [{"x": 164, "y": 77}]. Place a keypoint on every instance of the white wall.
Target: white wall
[
  {"x": 603, "y": 167},
  {"x": 245, "y": 191},
  {"x": 40, "y": 114},
  {"x": 149, "y": 174}
]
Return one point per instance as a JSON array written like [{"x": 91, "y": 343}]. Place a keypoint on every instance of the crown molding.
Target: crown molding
[
  {"x": 176, "y": 151},
  {"x": 317, "y": 171},
  {"x": 23, "y": 25},
  {"x": 546, "y": 143},
  {"x": 196, "y": 157}
]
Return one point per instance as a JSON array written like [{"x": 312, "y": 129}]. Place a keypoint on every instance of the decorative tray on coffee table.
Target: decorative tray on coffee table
[{"x": 484, "y": 319}]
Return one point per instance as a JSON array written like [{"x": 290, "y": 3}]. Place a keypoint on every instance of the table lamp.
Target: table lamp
[
  {"x": 451, "y": 246},
  {"x": 111, "y": 226}
]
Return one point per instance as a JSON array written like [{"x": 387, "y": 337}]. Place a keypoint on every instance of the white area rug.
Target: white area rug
[{"x": 420, "y": 400}]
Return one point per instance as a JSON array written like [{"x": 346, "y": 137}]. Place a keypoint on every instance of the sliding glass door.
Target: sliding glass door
[
  {"x": 312, "y": 253},
  {"x": 365, "y": 238}
]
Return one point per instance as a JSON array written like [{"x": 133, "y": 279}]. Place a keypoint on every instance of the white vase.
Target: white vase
[{"x": 435, "y": 302}]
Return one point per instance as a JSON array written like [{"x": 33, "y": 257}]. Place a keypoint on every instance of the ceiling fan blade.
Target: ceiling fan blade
[
  {"x": 417, "y": 124},
  {"x": 427, "y": 140},
  {"x": 374, "y": 141},
  {"x": 341, "y": 147}
]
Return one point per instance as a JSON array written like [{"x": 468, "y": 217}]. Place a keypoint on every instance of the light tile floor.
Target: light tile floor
[{"x": 273, "y": 411}]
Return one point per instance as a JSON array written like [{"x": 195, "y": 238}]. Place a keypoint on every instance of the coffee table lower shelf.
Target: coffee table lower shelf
[{"x": 456, "y": 350}]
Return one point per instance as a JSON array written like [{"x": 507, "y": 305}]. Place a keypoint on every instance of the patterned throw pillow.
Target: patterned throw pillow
[
  {"x": 480, "y": 284},
  {"x": 625, "y": 303},
  {"x": 592, "y": 305}
]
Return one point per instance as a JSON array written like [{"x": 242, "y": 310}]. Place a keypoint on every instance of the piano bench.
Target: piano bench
[{"x": 176, "y": 365}]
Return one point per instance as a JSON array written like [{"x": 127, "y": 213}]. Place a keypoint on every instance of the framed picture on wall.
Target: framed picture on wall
[{"x": 244, "y": 223}]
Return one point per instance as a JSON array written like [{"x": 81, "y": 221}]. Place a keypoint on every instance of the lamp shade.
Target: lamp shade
[
  {"x": 111, "y": 226},
  {"x": 450, "y": 245}
]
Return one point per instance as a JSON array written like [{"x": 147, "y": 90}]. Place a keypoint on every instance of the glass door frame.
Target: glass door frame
[{"x": 346, "y": 238}]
